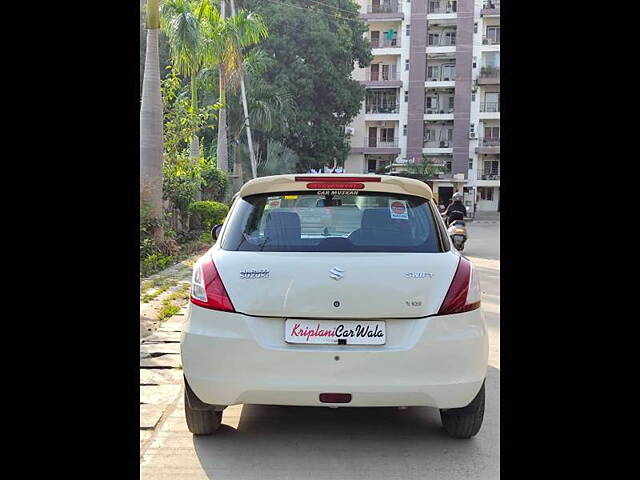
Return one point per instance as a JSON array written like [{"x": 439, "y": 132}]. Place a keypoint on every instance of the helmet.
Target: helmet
[{"x": 457, "y": 196}]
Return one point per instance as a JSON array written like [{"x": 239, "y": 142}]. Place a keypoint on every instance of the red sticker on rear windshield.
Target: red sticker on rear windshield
[{"x": 398, "y": 209}]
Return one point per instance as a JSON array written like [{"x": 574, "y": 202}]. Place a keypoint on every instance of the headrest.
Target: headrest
[{"x": 282, "y": 228}]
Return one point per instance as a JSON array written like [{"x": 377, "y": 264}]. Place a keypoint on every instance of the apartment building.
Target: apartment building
[{"x": 433, "y": 88}]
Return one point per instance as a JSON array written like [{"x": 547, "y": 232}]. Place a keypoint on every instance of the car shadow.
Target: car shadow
[{"x": 365, "y": 443}]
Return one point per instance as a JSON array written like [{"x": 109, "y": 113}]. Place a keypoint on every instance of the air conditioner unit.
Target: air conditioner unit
[{"x": 349, "y": 130}]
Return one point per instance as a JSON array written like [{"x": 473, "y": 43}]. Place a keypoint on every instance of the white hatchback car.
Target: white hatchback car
[{"x": 366, "y": 305}]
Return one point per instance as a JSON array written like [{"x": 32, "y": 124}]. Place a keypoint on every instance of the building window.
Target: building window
[
  {"x": 492, "y": 133},
  {"x": 448, "y": 72},
  {"x": 493, "y": 35},
  {"x": 471, "y": 164},
  {"x": 406, "y": 65},
  {"x": 475, "y": 27},
  {"x": 386, "y": 135},
  {"x": 381, "y": 101},
  {"x": 432, "y": 104},
  {"x": 451, "y": 102},
  {"x": 491, "y": 167},
  {"x": 408, "y": 29},
  {"x": 486, "y": 193},
  {"x": 406, "y": 96},
  {"x": 371, "y": 166},
  {"x": 429, "y": 134},
  {"x": 404, "y": 130},
  {"x": 449, "y": 134}
]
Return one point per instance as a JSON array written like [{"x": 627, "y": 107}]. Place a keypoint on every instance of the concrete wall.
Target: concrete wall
[{"x": 417, "y": 72}]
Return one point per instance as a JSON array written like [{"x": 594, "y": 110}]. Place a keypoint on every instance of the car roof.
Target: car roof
[{"x": 372, "y": 183}]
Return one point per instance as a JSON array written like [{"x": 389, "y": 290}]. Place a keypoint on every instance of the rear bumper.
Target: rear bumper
[{"x": 231, "y": 358}]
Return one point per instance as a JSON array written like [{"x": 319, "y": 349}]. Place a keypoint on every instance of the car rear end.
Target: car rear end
[{"x": 374, "y": 310}]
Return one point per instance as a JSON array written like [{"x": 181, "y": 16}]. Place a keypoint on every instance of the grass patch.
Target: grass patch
[
  {"x": 150, "y": 296},
  {"x": 168, "y": 310}
]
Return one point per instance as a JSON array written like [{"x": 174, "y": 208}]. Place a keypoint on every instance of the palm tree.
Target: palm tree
[
  {"x": 183, "y": 30},
  {"x": 243, "y": 93},
  {"x": 227, "y": 37},
  {"x": 151, "y": 124},
  {"x": 268, "y": 106}
]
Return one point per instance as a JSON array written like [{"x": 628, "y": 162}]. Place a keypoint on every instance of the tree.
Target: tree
[
  {"x": 183, "y": 180},
  {"x": 187, "y": 49},
  {"x": 268, "y": 106},
  {"x": 315, "y": 49},
  {"x": 425, "y": 171},
  {"x": 227, "y": 37},
  {"x": 151, "y": 145},
  {"x": 243, "y": 93},
  {"x": 164, "y": 50}
]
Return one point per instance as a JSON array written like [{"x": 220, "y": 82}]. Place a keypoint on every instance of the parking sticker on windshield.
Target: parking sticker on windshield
[{"x": 398, "y": 209}]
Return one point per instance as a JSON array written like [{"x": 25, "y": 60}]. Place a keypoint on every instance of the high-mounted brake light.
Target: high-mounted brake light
[
  {"x": 328, "y": 179},
  {"x": 464, "y": 291},
  {"x": 335, "y": 186},
  {"x": 207, "y": 289}
]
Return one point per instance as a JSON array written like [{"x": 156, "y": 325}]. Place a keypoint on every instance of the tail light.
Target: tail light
[
  {"x": 464, "y": 292},
  {"x": 207, "y": 289}
]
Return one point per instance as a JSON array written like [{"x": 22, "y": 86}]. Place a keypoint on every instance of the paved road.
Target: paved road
[{"x": 270, "y": 442}]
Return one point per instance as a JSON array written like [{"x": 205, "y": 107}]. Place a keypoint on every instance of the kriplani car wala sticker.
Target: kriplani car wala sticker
[{"x": 398, "y": 209}]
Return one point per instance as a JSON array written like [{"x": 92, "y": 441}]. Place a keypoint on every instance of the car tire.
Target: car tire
[
  {"x": 464, "y": 422},
  {"x": 200, "y": 421}
]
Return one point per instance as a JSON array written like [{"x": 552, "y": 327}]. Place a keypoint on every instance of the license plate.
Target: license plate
[{"x": 365, "y": 332}]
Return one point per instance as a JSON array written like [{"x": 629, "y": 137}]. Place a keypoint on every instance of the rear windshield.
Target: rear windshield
[{"x": 315, "y": 222}]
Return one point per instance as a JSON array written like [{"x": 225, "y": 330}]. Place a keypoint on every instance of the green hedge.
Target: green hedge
[{"x": 211, "y": 213}]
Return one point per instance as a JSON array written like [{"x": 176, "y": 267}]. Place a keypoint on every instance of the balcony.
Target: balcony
[
  {"x": 382, "y": 108},
  {"x": 426, "y": 143},
  {"x": 489, "y": 107},
  {"x": 489, "y": 76},
  {"x": 383, "y": 10},
  {"x": 385, "y": 42},
  {"x": 490, "y": 8},
  {"x": 441, "y": 76},
  {"x": 488, "y": 146},
  {"x": 382, "y": 78},
  {"x": 490, "y": 40},
  {"x": 490, "y": 141},
  {"x": 442, "y": 6},
  {"x": 488, "y": 175},
  {"x": 378, "y": 145},
  {"x": 437, "y": 110},
  {"x": 441, "y": 40}
]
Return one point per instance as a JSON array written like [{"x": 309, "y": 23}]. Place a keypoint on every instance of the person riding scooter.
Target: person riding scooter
[{"x": 455, "y": 210}]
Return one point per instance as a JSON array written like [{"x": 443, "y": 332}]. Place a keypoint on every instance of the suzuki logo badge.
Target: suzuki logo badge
[{"x": 336, "y": 273}]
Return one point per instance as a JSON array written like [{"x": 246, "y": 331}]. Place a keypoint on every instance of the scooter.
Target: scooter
[{"x": 457, "y": 231}]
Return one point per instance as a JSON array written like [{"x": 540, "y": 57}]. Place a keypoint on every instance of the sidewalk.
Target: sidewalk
[
  {"x": 163, "y": 303},
  {"x": 486, "y": 217}
]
